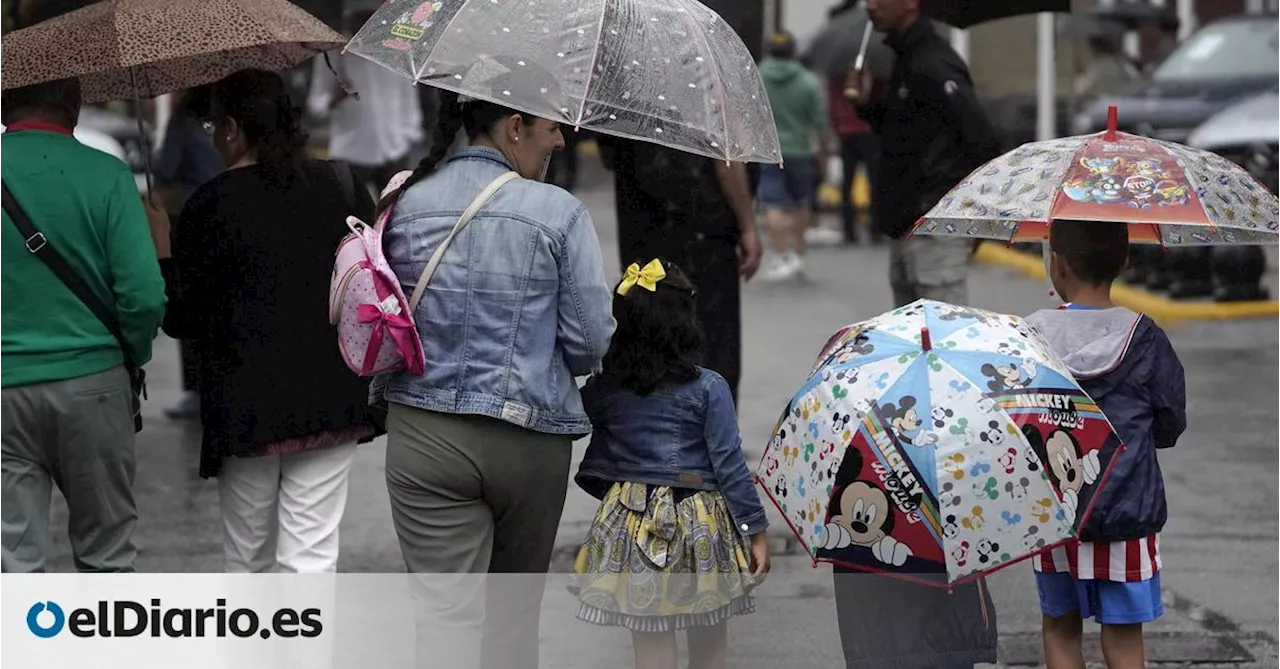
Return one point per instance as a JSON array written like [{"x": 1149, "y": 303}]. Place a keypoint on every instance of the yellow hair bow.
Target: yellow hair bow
[{"x": 647, "y": 278}]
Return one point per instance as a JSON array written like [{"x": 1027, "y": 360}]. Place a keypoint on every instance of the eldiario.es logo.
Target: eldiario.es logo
[{"x": 125, "y": 618}]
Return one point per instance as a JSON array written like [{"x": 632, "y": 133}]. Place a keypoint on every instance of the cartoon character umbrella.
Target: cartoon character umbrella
[
  {"x": 1169, "y": 194},
  {"x": 937, "y": 443},
  {"x": 672, "y": 72}
]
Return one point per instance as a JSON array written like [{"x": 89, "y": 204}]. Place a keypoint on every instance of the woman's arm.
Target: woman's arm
[
  {"x": 192, "y": 270},
  {"x": 735, "y": 185},
  {"x": 586, "y": 302}
]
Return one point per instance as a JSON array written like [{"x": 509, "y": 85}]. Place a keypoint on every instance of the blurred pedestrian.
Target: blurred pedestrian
[
  {"x": 787, "y": 191},
  {"x": 249, "y": 279},
  {"x": 374, "y": 114},
  {"x": 859, "y": 147},
  {"x": 67, "y": 395},
  {"x": 187, "y": 160},
  {"x": 698, "y": 213},
  {"x": 478, "y": 448},
  {"x": 933, "y": 133},
  {"x": 1108, "y": 70},
  {"x": 714, "y": 550},
  {"x": 1128, "y": 366}
]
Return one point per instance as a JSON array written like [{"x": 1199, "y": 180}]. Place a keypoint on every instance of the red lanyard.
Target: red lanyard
[{"x": 38, "y": 125}]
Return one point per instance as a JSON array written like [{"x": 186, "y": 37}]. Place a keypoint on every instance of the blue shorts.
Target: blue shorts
[
  {"x": 787, "y": 188},
  {"x": 1108, "y": 602}
]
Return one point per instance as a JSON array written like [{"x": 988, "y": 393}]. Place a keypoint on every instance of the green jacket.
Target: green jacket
[
  {"x": 87, "y": 205},
  {"x": 799, "y": 105}
]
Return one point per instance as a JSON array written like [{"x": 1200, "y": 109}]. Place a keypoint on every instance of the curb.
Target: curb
[{"x": 1155, "y": 306}]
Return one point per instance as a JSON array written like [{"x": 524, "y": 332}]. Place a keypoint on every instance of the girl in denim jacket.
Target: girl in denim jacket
[{"x": 679, "y": 540}]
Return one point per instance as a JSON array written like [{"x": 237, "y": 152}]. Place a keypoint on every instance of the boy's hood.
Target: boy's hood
[
  {"x": 780, "y": 71},
  {"x": 1091, "y": 342}
]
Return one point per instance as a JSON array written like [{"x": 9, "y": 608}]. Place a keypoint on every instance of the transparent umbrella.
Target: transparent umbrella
[{"x": 671, "y": 72}]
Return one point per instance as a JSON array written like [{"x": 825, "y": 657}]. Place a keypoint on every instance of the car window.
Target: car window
[{"x": 1233, "y": 49}]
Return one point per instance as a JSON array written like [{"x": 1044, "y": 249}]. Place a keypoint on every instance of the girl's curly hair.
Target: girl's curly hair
[{"x": 658, "y": 340}]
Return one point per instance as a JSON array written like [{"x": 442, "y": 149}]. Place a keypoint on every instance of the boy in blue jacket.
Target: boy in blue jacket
[{"x": 1125, "y": 362}]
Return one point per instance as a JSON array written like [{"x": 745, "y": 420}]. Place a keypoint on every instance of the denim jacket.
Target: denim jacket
[
  {"x": 518, "y": 306},
  {"x": 683, "y": 436}
]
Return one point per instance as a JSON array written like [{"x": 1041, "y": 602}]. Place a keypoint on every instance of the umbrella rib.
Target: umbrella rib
[
  {"x": 591, "y": 69},
  {"x": 443, "y": 34},
  {"x": 715, "y": 66}
]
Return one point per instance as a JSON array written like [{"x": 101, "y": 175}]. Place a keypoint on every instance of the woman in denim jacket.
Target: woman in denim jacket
[
  {"x": 478, "y": 447},
  {"x": 680, "y": 515}
]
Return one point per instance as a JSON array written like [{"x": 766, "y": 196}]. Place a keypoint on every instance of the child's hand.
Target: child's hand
[{"x": 760, "y": 564}]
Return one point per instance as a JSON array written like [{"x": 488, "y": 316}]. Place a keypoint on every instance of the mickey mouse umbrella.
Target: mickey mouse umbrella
[{"x": 937, "y": 443}]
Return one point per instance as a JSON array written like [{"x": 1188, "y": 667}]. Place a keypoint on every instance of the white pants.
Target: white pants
[{"x": 281, "y": 512}]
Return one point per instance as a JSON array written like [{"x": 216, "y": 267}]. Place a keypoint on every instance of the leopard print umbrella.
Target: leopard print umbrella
[{"x": 121, "y": 49}]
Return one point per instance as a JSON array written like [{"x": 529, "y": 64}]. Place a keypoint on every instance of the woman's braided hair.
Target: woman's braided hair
[{"x": 476, "y": 117}]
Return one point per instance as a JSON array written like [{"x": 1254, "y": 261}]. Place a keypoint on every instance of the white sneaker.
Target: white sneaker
[
  {"x": 797, "y": 264},
  {"x": 783, "y": 268},
  {"x": 823, "y": 236},
  {"x": 778, "y": 269}
]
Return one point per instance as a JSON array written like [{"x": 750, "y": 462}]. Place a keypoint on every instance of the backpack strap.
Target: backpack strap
[{"x": 476, "y": 204}]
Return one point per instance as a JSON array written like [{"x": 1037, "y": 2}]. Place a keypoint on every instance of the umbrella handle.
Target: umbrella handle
[
  {"x": 145, "y": 147},
  {"x": 851, "y": 91}
]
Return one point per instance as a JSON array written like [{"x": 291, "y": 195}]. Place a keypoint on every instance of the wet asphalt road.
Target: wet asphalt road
[{"x": 1220, "y": 546}]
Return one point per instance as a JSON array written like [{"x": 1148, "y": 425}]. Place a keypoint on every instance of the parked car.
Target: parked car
[
  {"x": 1247, "y": 133},
  {"x": 121, "y": 128},
  {"x": 1217, "y": 66}
]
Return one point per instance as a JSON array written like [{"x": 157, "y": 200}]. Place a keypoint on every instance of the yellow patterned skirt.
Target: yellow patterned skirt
[{"x": 659, "y": 559}]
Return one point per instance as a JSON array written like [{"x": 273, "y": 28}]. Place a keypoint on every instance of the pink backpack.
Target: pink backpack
[{"x": 376, "y": 332}]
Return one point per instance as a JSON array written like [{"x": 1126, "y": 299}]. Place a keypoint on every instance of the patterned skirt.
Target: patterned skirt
[{"x": 659, "y": 559}]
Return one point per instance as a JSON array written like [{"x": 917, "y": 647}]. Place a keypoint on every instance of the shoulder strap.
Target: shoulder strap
[
  {"x": 476, "y": 204},
  {"x": 346, "y": 182},
  {"x": 40, "y": 247}
]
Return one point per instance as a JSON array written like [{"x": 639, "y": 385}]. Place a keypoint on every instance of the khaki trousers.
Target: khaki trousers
[{"x": 476, "y": 503}]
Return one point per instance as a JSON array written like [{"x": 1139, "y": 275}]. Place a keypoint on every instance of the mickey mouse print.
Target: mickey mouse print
[{"x": 936, "y": 439}]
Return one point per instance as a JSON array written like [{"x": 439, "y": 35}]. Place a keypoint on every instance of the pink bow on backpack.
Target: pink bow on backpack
[{"x": 401, "y": 328}]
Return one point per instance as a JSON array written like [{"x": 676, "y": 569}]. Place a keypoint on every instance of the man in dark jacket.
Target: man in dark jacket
[{"x": 933, "y": 133}]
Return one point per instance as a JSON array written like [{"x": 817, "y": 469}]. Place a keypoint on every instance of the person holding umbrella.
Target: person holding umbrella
[
  {"x": 933, "y": 132},
  {"x": 68, "y": 412},
  {"x": 478, "y": 448}
]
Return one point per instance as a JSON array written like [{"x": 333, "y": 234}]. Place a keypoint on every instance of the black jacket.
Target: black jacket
[
  {"x": 249, "y": 280},
  {"x": 932, "y": 129}
]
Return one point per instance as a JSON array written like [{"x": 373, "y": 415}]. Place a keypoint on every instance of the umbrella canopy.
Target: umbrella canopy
[
  {"x": 671, "y": 72},
  {"x": 968, "y": 13},
  {"x": 834, "y": 49},
  {"x": 123, "y": 49},
  {"x": 937, "y": 440},
  {"x": 1167, "y": 193}
]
